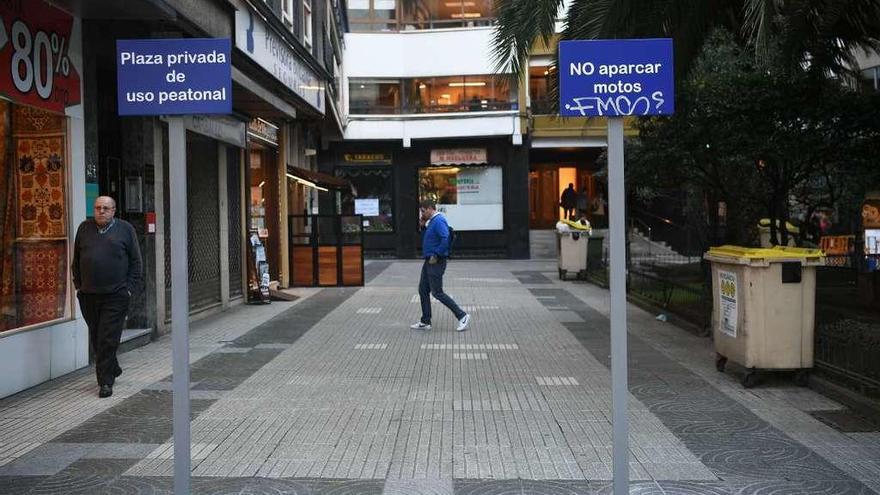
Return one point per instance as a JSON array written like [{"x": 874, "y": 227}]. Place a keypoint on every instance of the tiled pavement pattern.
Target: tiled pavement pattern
[{"x": 337, "y": 395}]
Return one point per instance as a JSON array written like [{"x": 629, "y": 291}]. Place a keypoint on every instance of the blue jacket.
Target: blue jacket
[{"x": 435, "y": 238}]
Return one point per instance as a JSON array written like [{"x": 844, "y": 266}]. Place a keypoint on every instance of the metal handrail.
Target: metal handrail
[{"x": 658, "y": 217}]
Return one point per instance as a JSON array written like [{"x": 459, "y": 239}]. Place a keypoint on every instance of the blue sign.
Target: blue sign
[
  {"x": 614, "y": 78},
  {"x": 174, "y": 76}
]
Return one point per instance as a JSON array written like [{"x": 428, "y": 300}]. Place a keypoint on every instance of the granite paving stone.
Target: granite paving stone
[{"x": 335, "y": 394}]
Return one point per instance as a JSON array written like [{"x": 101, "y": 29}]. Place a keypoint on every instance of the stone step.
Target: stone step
[{"x": 132, "y": 338}]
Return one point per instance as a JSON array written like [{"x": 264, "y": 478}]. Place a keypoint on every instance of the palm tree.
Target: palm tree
[{"x": 820, "y": 35}]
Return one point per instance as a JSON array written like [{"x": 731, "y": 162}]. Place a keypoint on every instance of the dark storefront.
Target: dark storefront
[{"x": 480, "y": 184}]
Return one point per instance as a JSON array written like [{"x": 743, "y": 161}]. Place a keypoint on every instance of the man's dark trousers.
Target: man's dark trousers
[
  {"x": 431, "y": 283},
  {"x": 105, "y": 316}
]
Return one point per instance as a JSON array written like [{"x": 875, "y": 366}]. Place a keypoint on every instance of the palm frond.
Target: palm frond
[{"x": 520, "y": 24}]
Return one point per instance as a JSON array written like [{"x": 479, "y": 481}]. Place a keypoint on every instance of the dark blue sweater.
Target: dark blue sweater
[{"x": 435, "y": 238}]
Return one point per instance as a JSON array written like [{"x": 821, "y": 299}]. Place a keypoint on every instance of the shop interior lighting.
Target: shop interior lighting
[
  {"x": 262, "y": 184},
  {"x": 460, "y": 4},
  {"x": 469, "y": 84},
  {"x": 422, "y": 86},
  {"x": 467, "y": 15}
]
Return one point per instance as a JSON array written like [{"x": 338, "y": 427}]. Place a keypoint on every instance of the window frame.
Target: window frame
[
  {"x": 308, "y": 33},
  {"x": 287, "y": 13}
]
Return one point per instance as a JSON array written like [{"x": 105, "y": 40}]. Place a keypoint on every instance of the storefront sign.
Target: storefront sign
[
  {"x": 174, "y": 76},
  {"x": 273, "y": 53},
  {"x": 458, "y": 156},
  {"x": 616, "y": 77},
  {"x": 367, "y": 158},
  {"x": 264, "y": 131},
  {"x": 728, "y": 289},
  {"x": 368, "y": 207},
  {"x": 220, "y": 127},
  {"x": 36, "y": 67}
]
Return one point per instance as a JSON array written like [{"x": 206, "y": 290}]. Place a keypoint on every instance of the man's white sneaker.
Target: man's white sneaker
[
  {"x": 463, "y": 322},
  {"x": 420, "y": 326}
]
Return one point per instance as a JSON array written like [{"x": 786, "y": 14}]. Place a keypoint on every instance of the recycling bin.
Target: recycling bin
[
  {"x": 572, "y": 254},
  {"x": 763, "y": 310}
]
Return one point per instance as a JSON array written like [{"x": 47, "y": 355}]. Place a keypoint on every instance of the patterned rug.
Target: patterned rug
[
  {"x": 41, "y": 275},
  {"x": 41, "y": 184}
]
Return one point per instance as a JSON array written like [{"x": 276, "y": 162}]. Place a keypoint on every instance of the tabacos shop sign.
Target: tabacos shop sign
[{"x": 36, "y": 67}]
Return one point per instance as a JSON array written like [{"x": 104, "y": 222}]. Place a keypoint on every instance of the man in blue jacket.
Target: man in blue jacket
[{"x": 435, "y": 249}]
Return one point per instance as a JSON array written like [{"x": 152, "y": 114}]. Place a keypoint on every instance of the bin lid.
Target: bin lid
[{"x": 764, "y": 256}]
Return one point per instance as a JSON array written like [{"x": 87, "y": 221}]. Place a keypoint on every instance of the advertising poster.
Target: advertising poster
[{"x": 727, "y": 286}]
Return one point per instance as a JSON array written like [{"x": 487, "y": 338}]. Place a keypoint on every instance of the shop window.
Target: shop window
[
  {"x": 469, "y": 196},
  {"x": 33, "y": 217},
  {"x": 371, "y": 185},
  {"x": 480, "y": 93},
  {"x": 374, "y": 96}
]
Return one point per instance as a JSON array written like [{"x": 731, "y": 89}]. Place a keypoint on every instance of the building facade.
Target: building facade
[
  {"x": 241, "y": 168},
  {"x": 428, "y": 118}
]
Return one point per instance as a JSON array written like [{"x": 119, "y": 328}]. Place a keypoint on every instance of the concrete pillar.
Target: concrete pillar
[{"x": 223, "y": 205}]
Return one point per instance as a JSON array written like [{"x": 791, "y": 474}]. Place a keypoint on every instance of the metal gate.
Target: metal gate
[{"x": 233, "y": 191}]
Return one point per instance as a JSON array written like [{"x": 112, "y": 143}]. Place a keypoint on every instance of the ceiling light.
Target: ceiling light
[
  {"x": 460, "y": 84},
  {"x": 461, "y": 4},
  {"x": 546, "y": 72},
  {"x": 262, "y": 184},
  {"x": 445, "y": 96},
  {"x": 467, "y": 15},
  {"x": 422, "y": 86}
]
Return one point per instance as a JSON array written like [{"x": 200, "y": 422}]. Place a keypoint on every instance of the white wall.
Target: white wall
[
  {"x": 445, "y": 126},
  {"x": 447, "y": 52}
]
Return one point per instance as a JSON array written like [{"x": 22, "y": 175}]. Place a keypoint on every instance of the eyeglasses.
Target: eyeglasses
[{"x": 104, "y": 208}]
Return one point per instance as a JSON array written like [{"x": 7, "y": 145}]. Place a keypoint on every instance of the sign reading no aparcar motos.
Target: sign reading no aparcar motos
[
  {"x": 615, "y": 78},
  {"x": 174, "y": 76}
]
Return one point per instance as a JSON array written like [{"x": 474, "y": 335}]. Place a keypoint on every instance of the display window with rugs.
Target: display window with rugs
[
  {"x": 471, "y": 196},
  {"x": 34, "y": 210}
]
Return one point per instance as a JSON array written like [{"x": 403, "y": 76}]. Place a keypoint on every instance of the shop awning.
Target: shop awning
[{"x": 318, "y": 179}]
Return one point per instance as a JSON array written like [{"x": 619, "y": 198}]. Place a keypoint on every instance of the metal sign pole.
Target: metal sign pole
[
  {"x": 619, "y": 389},
  {"x": 179, "y": 303}
]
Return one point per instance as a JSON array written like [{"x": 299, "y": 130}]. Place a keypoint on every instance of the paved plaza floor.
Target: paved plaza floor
[{"x": 335, "y": 394}]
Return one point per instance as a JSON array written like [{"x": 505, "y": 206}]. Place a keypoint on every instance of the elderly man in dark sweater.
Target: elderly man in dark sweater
[{"x": 106, "y": 272}]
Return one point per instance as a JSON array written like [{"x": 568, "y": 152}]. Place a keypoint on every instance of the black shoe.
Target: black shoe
[
  {"x": 118, "y": 372},
  {"x": 106, "y": 391}
]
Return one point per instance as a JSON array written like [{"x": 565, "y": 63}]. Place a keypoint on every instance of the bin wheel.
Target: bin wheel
[
  {"x": 802, "y": 378},
  {"x": 750, "y": 379},
  {"x": 720, "y": 363}
]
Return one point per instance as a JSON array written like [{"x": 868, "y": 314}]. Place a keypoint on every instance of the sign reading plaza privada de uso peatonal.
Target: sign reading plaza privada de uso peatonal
[
  {"x": 174, "y": 76},
  {"x": 37, "y": 66},
  {"x": 616, "y": 78}
]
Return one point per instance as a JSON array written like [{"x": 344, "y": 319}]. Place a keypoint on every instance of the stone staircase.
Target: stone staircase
[{"x": 542, "y": 244}]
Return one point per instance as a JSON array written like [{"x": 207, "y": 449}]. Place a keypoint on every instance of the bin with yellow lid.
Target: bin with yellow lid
[{"x": 763, "y": 311}]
